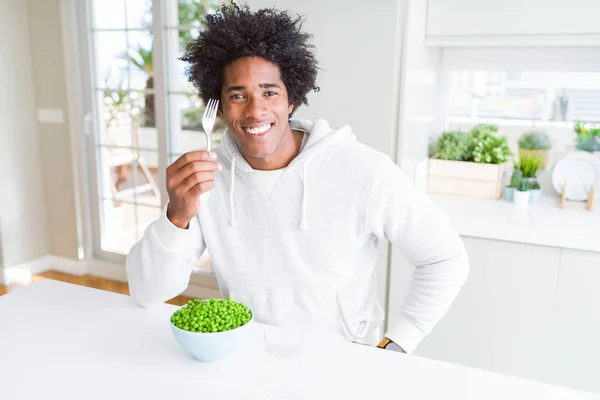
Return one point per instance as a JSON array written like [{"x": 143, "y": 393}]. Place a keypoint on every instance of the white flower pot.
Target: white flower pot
[{"x": 521, "y": 199}]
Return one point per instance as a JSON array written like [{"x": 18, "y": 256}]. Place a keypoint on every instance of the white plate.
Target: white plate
[{"x": 579, "y": 171}]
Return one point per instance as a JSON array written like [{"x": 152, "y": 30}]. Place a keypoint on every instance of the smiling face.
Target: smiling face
[{"x": 256, "y": 110}]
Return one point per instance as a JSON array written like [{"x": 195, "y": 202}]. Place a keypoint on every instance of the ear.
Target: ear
[{"x": 290, "y": 108}]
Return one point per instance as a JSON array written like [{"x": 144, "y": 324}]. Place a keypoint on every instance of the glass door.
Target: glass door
[{"x": 143, "y": 111}]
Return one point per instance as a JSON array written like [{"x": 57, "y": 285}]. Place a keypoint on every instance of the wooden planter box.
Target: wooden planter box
[{"x": 463, "y": 178}]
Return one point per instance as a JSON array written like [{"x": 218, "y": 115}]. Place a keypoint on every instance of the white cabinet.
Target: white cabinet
[
  {"x": 501, "y": 319},
  {"x": 526, "y": 310},
  {"x": 577, "y": 322},
  {"x": 518, "y": 22}
]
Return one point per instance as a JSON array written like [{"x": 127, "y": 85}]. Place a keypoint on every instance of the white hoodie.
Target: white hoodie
[{"x": 305, "y": 254}]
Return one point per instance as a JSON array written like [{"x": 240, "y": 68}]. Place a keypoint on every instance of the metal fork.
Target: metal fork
[{"x": 208, "y": 123}]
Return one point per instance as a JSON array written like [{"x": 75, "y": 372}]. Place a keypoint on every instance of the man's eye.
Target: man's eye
[
  {"x": 236, "y": 96},
  {"x": 269, "y": 94}
]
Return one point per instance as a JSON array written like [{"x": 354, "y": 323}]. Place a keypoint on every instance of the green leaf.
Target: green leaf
[
  {"x": 530, "y": 165},
  {"x": 486, "y": 146},
  {"x": 587, "y": 136},
  {"x": 535, "y": 140},
  {"x": 452, "y": 146}
]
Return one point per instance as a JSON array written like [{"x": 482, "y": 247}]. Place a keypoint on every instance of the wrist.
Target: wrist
[
  {"x": 387, "y": 344},
  {"x": 178, "y": 222}
]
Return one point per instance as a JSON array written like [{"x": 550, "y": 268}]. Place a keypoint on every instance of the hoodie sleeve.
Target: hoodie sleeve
[
  {"x": 160, "y": 264},
  {"x": 416, "y": 227}
]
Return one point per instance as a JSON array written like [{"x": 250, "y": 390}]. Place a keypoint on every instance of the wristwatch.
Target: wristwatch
[{"x": 387, "y": 344}]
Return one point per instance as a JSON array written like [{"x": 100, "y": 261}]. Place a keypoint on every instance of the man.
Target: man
[{"x": 297, "y": 208}]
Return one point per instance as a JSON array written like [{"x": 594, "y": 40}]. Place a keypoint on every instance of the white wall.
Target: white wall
[
  {"x": 48, "y": 68},
  {"x": 23, "y": 229}
]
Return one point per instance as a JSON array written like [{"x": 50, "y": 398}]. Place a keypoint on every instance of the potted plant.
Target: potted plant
[
  {"x": 537, "y": 144},
  {"x": 588, "y": 136},
  {"x": 524, "y": 178},
  {"x": 469, "y": 163},
  {"x": 530, "y": 166},
  {"x": 453, "y": 146},
  {"x": 486, "y": 146},
  {"x": 515, "y": 181},
  {"x": 535, "y": 192},
  {"x": 522, "y": 195}
]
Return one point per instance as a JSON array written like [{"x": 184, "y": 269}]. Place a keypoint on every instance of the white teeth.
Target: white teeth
[{"x": 258, "y": 130}]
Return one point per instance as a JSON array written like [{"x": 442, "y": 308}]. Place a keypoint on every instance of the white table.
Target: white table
[{"x": 63, "y": 341}]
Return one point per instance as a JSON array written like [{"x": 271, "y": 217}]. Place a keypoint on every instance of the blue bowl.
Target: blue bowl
[{"x": 212, "y": 346}]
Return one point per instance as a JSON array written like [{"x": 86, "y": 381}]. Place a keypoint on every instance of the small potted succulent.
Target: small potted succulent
[
  {"x": 530, "y": 165},
  {"x": 522, "y": 195},
  {"x": 515, "y": 181},
  {"x": 524, "y": 179},
  {"x": 535, "y": 192},
  {"x": 536, "y": 144}
]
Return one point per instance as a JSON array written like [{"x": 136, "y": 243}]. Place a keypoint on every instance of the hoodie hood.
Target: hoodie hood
[{"x": 321, "y": 137}]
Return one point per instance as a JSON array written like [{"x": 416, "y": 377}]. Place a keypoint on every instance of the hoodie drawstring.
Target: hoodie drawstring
[
  {"x": 303, "y": 223},
  {"x": 231, "y": 204}
]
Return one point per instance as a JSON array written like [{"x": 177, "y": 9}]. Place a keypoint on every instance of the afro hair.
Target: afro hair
[{"x": 234, "y": 32}]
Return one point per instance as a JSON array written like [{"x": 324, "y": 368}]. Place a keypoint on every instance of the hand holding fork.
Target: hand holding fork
[{"x": 192, "y": 175}]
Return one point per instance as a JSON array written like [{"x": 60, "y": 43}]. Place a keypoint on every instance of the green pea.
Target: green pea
[{"x": 211, "y": 315}]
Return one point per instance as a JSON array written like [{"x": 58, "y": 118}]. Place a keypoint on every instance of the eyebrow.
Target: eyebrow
[
  {"x": 269, "y": 85},
  {"x": 262, "y": 86}
]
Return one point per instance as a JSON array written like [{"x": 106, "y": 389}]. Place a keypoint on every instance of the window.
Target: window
[
  {"x": 524, "y": 95},
  {"x": 145, "y": 115},
  {"x": 555, "y": 86}
]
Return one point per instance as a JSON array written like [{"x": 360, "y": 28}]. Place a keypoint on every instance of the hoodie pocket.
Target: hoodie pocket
[
  {"x": 360, "y": 313},
  {"x": 356, "y": 325}
]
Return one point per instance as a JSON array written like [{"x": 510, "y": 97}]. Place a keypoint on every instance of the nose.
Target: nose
[{"x": 255, "y": 107}]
